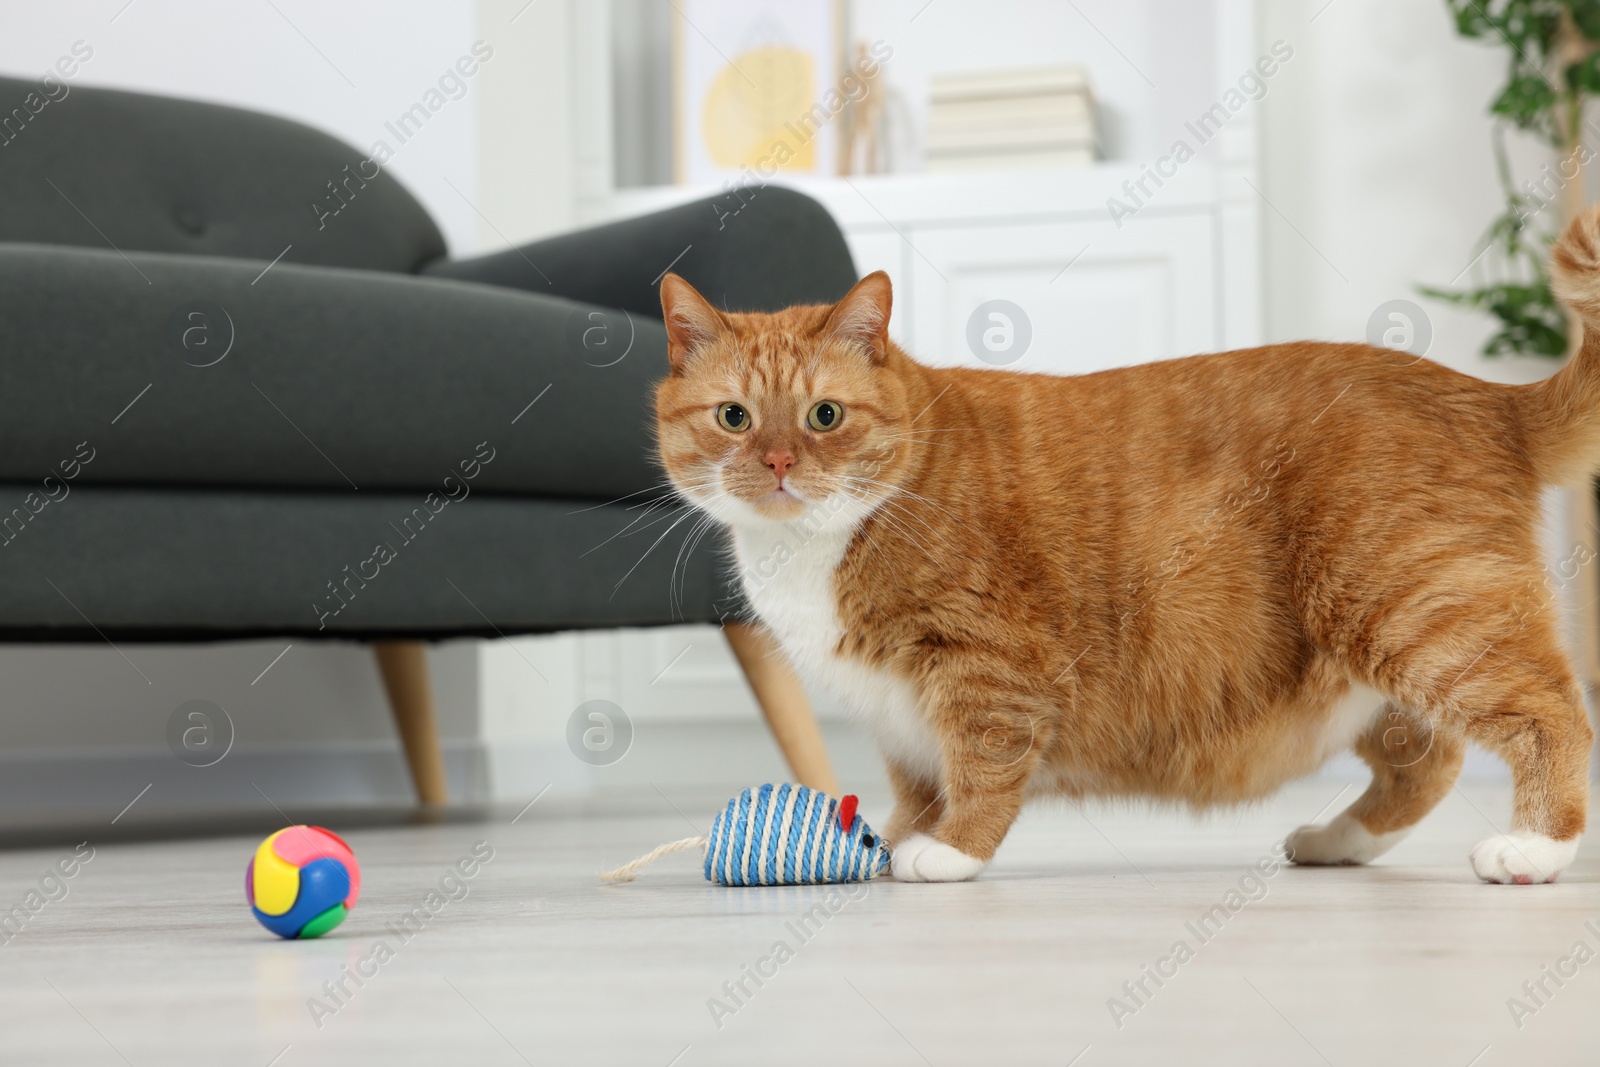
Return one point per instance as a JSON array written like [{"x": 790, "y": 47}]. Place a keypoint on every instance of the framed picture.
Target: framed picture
[{"x": 755, "y": 87}]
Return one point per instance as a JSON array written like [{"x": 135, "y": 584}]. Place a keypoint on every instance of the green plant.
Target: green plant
[{"x": 1554, "y": 50}]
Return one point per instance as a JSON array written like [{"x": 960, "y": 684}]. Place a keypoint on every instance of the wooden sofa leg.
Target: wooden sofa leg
[
  {"x": 784, "y": 704},
  {"x": 404, "y": 666}
]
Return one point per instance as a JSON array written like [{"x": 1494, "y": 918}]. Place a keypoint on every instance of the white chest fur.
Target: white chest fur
[{"x": 787, "y": 571}]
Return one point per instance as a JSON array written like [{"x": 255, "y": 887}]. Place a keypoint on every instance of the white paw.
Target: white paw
[
  {"x": 1522, "y": 858},
  {"x": 1344, "y": 841},
  {"x": 919, "y": 858}
]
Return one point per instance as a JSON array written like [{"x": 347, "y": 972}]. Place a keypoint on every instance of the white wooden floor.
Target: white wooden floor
[{"x": 152, "y": 957}]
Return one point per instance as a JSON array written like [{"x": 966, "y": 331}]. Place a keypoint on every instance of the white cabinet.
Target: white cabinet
[
  {"x": 1178, "y": 278},
  {"x": 1089, "y": 303}
]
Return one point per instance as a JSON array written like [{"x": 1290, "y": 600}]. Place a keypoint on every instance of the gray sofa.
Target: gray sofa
[{"x": 223, "y": 399}]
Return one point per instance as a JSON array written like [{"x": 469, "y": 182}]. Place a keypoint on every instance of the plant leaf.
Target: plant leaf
[{"x": 1525, "y": 101}]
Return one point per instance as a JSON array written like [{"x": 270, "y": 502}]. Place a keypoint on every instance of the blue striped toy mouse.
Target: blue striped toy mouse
[{"x": 781, "y": 835}]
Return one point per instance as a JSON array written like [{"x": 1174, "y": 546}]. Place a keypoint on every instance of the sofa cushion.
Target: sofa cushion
[
  {"x": 761, "y": 249},
  {"x": 202, "y": 371},
  {"x": 174, "y": 564}
]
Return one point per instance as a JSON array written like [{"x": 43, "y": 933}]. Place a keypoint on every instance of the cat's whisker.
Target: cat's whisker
[
  {"x": 680, "y": 581},
  {"x": 681, "y": 520},
  {"x": 653, "y": 508},
  {"x": 674, "y": 588},
  {"x": 626, "y": 531},
  {"x": 922, "y": 444},
  {"x": 867, "y": 542},
  {"x": 889, "y": 518},
  {"x": 667, "y": 485},
  {"x": 894, "y": 491},
  {"x": 699, "y": 524},
  {"x": 903, "y": 491},
  {"x": 709, "y": 520},
  {"x": 912, "y": 534},
  {"x": 891, "y": 509},
  {"x": 900, "y": 528},
  {"x": 915, "y": 433},
  {"x": 680, "y": 490},
  {"x": 643, "y": 522},
  {"x": 935, "y": 531}
]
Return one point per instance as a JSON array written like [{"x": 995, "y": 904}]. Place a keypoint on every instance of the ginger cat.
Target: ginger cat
[{"x": 1158, "y": 581}]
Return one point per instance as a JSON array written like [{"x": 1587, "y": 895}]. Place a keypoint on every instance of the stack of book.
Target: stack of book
[{"x": 1011, "y": 118}]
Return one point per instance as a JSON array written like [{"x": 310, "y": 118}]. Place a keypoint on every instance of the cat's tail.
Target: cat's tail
[{"x": 1561, "y": 415}]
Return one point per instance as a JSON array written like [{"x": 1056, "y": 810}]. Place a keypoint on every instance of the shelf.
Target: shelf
[{"x": 986, "y": 197}]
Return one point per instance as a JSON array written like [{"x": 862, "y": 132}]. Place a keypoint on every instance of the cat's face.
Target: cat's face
[{"x": 772, "y": 417}]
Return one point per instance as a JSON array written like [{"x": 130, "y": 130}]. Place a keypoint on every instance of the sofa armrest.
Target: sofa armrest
[
  {"x": 202, "y": 371},
  {"x": 761, "y": 249}
]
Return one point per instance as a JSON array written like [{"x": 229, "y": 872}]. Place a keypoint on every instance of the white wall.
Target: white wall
[
  {"x": 525, "y": 138},
  {"x": 1376, "y": 147},
  {"x": 345, "y": 68}
]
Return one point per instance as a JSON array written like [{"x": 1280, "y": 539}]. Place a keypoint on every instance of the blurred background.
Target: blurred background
[{"x": 1136, "y": 179}]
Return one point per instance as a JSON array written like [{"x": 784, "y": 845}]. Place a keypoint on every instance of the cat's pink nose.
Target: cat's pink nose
[{"x": 779, "y": 460}]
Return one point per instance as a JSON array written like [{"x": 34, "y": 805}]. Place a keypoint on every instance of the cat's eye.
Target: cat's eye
[
  {"x": 733, "y": 417},
  {"x": 825, "y": 415}
]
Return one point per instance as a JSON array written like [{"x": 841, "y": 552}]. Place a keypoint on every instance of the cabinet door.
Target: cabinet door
[{"x": 1147, "y": 291}]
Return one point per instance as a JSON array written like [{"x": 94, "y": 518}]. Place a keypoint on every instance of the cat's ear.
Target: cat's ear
[
  {"x": 862, "y": 317},
  {"x": 691, "y": 322}
]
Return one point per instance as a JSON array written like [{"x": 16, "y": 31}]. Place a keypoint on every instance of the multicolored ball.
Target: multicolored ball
[{"x": 302, "y": 881}]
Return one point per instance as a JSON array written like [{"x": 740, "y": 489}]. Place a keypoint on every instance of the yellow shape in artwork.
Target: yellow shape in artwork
[{"x": 759, "y": 102}]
